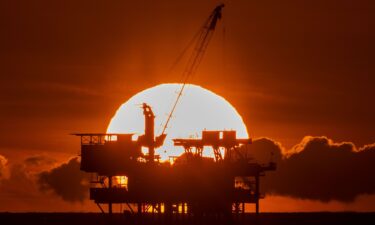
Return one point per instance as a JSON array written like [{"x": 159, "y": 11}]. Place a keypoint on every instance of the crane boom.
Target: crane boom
[{"x": 195, "y": 59}]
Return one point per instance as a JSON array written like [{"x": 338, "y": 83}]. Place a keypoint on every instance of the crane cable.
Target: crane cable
[{"x": 206, "y": 33}]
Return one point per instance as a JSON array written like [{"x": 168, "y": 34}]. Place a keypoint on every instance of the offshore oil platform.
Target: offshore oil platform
[{"x": 191, "y": 185}]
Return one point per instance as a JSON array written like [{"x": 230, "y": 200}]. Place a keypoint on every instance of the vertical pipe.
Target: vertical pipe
[
  {"x": 257, "y": 193},
  {"x": 149, "y": 131},
  {"x": 110, "y": 187}
]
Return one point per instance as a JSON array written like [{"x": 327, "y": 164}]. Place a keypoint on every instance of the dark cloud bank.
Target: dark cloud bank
[
  {"x": 38, "y": 175},
  {"x": 66, "y": 180},
  {"x": 318, "y": 169}
]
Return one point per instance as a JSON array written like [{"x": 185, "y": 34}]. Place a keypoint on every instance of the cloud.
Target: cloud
[
  {"x": 21, "y": 178},
  {"x": 318, "y": 169},
  {"x": 20, "y": 181},
  {"x": 39, "y": 160},
  {"x": 265, "y": 149},
  {"x": 4, "y": 170},
  {"x": 66, "y": 180},
  {"x": 22, "y": 191}
]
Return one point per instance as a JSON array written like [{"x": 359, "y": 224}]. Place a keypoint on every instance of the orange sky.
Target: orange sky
[{"x": 291, "y": 70}]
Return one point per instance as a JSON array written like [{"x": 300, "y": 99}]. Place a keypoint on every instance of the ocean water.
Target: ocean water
[{"x": 326, "y": 218}]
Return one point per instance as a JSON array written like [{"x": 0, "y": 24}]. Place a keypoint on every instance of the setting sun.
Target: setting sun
[{"x": 198, "y": 109}]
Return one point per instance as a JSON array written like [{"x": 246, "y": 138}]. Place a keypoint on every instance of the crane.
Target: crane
[{"x": 204, "y": 37}]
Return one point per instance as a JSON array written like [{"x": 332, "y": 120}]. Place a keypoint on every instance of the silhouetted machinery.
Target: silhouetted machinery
[{"x": 192, "y": 184}]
